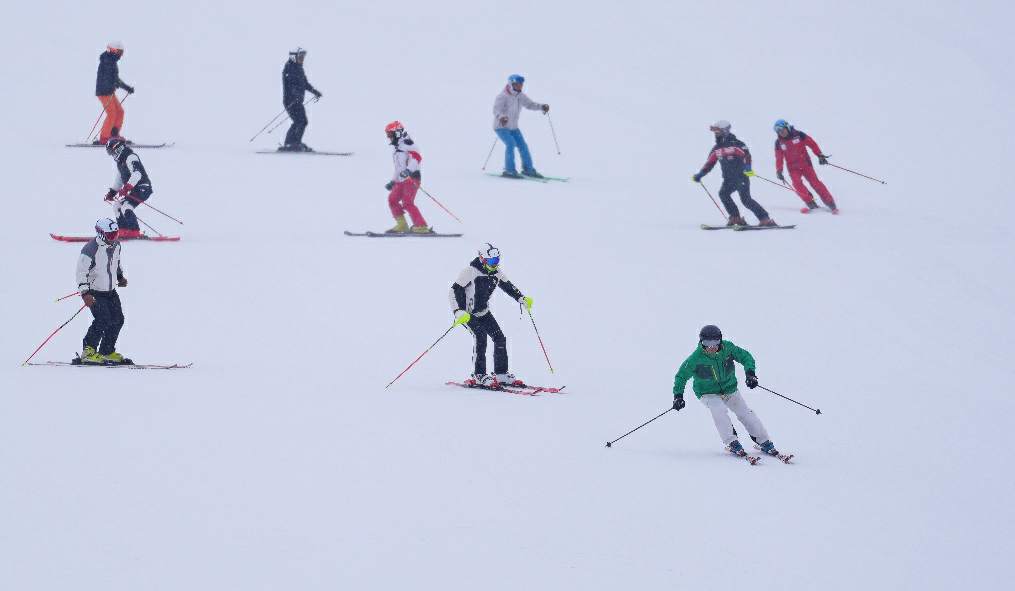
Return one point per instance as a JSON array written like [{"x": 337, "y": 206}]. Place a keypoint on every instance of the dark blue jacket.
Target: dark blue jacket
[
  {"x": 107, "y": 79},
  {"x": 294, "y": 83}
]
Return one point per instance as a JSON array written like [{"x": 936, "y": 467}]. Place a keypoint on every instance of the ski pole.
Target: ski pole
[
  {"x": 858, "y": 174},
  {"x": 136, "y": 200},
  {"x": 610, "y": 443},
  {"x": 99, "y": 118},
  {"x": 709, "y": 193},
  {"x": 266, "y": 125},
  {"x": 70, "y": 295},
  {"x": 550, "y": 365},
  {"x": 147, "y": 225},
  {"x": 487, "y": 161},
  {"x": 817, "y": 411},
  {"x": 83, "y": 306},
  {"x": 553, "y": 132},
  {"x": 420, "y": 356},
  {"x": 420, "y": 187},
  {"x": 782, "y": 186},
  {"x": 312, "y": 99}
]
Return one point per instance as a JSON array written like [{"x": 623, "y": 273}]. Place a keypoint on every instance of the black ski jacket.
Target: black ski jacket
[
  {"x": 294, "y": 84},
  {"x": 475, "y": 284},
  {"x": 733, "y": 157},
  {"x": 107, "y": 78}
]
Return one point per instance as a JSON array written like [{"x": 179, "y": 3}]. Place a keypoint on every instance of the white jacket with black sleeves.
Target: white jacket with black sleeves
[
  {"x": 509, "y": 104},
  {"x": 99, "y": 266},
  {"x": 475, "y": 284},
  {"x": 406, "y": 159}
]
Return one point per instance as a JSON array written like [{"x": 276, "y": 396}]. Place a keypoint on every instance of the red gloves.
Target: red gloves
[{"x": 125, "y": 190}]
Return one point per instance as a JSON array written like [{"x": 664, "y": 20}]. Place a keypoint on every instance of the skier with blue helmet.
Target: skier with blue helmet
[{"x": 506, "y": 110}]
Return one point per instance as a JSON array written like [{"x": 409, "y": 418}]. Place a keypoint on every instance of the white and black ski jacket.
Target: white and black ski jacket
[
  {"x": 99, "y": 266},
  {"x": 129, "y": 170},
  {"x": 475, "y": 284}
]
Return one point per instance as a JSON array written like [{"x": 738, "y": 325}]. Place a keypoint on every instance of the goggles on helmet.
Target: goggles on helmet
[{"x": 711, "y": 343}]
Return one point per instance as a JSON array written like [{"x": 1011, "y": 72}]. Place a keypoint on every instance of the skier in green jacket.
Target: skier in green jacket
[{"x": 715, "y": 384}]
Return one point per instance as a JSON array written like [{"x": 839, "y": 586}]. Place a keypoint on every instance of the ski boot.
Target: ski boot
[
  {"x": 736, "y": 220},
  {"x": 531, "y": 173},
  {"x": 421, "y": 230},
  {"x": 767, "y": 223},
  {"x": 89, "y": 356},
  {"x": 735, "y": 448},
  {"x": 115, "y": 358},
  {"x": 508, "y": 379},
  {"x": 289, "y": 148},
  {"x": 482, "y": 380},
  {"x": 769, "y": 448},
  {"x": 833, "y": 207},
  {"x": 401, "y": 226},
  {"x": 511, "y": 174},
  {"x": 810, "y": 205},
  {"x": 301, "y": 147}
]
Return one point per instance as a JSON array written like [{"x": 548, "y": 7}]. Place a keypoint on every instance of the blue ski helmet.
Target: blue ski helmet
[
  {"x": 516, "y": 79},
  {"x": 780, "y": 124}
]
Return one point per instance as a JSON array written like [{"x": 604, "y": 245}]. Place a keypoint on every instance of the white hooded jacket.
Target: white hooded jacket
[
  {"x": 99, "y": 266},
  {"x": 509, "y": 104}
]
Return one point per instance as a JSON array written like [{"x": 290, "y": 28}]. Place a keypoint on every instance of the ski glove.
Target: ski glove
[
  {"x": 121, "y": 281},
  {"x": 125, "y": 190},
  {"x": 696, "y": 177},
  {"x": 416, "y": 175},
  {"x": 503, "y": 121},
  {"x": 317, "y": 93},
  {"x": 678, "y": 403},
  {"x": 129, "y": 89},
  {"x": 462, "y": 317},
  {"x": 389, "y": 186},
  {"x": 748, "y": 172},
  {"x": 752, "y": 380},
  {"x": 779, "y": 176},
  {"x": 525, "y": 301},
  {"x": 109, "y": 195},
  {"x": 88, "y": 298},
  {"x": 822, "y": 159},
  {"x": 546, "y": 108}
]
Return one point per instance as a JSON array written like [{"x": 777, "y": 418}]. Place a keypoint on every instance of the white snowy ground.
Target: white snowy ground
[{"x": 280, "y": 462}]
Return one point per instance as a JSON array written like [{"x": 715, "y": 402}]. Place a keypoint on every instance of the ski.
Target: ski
[
  {"x": 142, "y": 238},
  {"x": 369, "y": 234},
  {"x": 752, "y": 460},
  {"x": 784, "y": 458},
  {"x": 129, "y": 145},
  {"x": 538, "y": 389},
  {"x": 741, "y": 228},
  {"x": 114, "y": 365},
  {"x": 544, "y": 179},
  {"x": 310, "y": 153},
  {"x": 807, "y": 210},
  {"x": 708, "y": 227},
  {"x": 505, "y": 389}
]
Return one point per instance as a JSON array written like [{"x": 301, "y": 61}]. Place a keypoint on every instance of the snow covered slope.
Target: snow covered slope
[{"x": 280, "y": 462}]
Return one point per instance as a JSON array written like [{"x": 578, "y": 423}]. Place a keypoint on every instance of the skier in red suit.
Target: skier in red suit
[{"x": 791, "y": 146}]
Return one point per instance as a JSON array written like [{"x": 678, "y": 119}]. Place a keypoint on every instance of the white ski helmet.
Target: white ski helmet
[
  {"x": 489, "y": 255},
  {"x": 106, "y": 230},
  {"x": 115, "y": 46},
  {"x": 297, "y": 53},
  {"x": 721, "y": 125}
]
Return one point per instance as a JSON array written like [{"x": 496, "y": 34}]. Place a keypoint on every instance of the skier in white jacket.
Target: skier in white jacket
[
  {"x": 404, "y": 182},
  {"x": 99, "y": 274},
  {"x": 506, "y": 109}
]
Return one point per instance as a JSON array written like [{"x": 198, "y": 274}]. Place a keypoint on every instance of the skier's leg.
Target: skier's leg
[
  {"x": 523, "y": 149},
  {"x": 826, "y": 195},
  {"x": 298, "y": 113},
  {"x": 500, "y": 354},
  {"x": 746, "y": 416},
  {"x": 114, "y": 116},
  {"x": 799, "y": 187},
  {"x": 100, "y": 323},
  {"x": 115, "y": 324},
  {"x": 745, "y": 197},
  {"x": 126, "y": 218},
  {"x": 725, "y": 192},
  {"x": 509, "y": 149},
  {"x": 719, "y": 416},
  {"x": 409, "y": 188},
  {"x": 478, "y": 329},
  {"x": 395, "y": 202}
]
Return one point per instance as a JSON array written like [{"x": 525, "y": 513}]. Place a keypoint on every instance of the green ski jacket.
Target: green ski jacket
[{"x": 713, "y": 373}]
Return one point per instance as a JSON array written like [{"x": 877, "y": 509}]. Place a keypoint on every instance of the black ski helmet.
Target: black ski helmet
[
  {"x": 115, "y": 146},
  {"x": 710, "y": 332}
]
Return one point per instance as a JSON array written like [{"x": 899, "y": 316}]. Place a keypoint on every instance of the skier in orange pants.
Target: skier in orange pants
[{"x": 107, "y": 80}]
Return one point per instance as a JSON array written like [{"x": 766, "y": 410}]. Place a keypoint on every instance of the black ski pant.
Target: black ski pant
[
  {"x": 742, "y": 185},
  {"x": 482, "y": 327},
  {"x": 298, "y": 113},
  {"x": 127, "y": 220},
  {"x": 108, "y": 320}
]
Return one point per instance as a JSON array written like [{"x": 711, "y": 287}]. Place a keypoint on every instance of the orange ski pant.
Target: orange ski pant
[{"x": 114, "y": 116}]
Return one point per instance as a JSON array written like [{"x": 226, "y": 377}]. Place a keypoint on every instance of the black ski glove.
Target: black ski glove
[
  {"x": 389, "y": 186},
  {"x": 779, "y": 176},
  {"x": 822, "y": 159},
  {"x": 678, "y": 403},
  {"x": 109, "y": 195},
  {"x": 752, "y": 380},
  {"x": 546, "y": 108},
  {"x": 416, "y": 175},
  {"x": 129, "y": 89},
  {"x": 317, "y": 93}
]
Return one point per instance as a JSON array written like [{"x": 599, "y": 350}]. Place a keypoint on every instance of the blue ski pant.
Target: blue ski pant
[{"x": 512, "y": 139}]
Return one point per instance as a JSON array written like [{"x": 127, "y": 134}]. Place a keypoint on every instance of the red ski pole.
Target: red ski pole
[
  {"x": 418, "y": 358},
  {"x": 83, "y": 306},
  {"x": 709, "y": 193},
  {"x": 540, "y": 341},
  {"x": 136, "y": 200},
  {"x": 420, "y": 187},
  {"x": 99, "y": 118},
  {"x": 70, "y": 295}
]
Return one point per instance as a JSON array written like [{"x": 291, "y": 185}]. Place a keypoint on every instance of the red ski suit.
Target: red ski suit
[{"x": 793, "y": 149}]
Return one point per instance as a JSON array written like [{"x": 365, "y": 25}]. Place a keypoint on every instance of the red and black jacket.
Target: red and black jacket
[
  {"x": 793, "y": 149},
  {"x": 732, "y": 155}
]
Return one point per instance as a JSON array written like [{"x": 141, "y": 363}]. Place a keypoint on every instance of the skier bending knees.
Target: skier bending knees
[
  {"x": 405, "y": 182},
  {"x": 735, "y": 161},
  {"x": 791, "y": 146}
]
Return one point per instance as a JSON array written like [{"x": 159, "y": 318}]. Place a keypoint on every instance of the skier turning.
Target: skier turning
[
  {"x": 405, "y": 182},
  {"x": 294, "y": 88},
  {"x": 470, "y": 301},
  {"x": 98, "y": 264},
  {"x": 791, "y": 146},
  {"x": 107, "y": 80},
  {"x": 131, "y": 187},
  {"x": 715, "y": 385},
  {"x": 735, "y": 160},
  {"x": 506, "y": 110}
]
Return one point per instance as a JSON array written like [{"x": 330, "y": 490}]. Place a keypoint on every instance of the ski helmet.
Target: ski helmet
[
  {"x": 721, "y": 125},
  {"x": 107, "y": 230},
  {"x": 780, "y": 124},
  {"x": 115, "y": 146},
  {"x": 710, "y": 336},
  {"x": 489, "y": 255},
  {"x": 114, "y": 47},
  {"x": 297, "y": 53},
  {"x": 516, "y": 79}
]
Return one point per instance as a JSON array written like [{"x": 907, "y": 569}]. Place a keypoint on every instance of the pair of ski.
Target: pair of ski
[
  {"x": 542, "y": 179},
  {"x": 129, "y": 145},
  {"x": 369, "y": 234},
  {"x": 77, "y": 363},
  {"x": 63, "y": 238},
  {"x": 747, "y": 227},
  {"x": 520, "y": 390},
  {"x": 754, "y": 460},
  {"x": 304, "y": 153}
]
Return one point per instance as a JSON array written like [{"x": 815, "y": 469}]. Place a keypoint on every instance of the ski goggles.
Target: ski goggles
[
  {"x": 711, "y": 343},
  {"x": 492, "y": 261},
  {"x": 111, "y": 236}
]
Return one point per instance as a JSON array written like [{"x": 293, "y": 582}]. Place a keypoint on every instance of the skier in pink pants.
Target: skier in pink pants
[{"x": 405, "y": 182}]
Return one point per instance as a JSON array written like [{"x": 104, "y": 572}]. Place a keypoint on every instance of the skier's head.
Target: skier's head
[
  {"x": 516, "y": 81},
  {"x": 395, "y": 131},
  {"x": 115, "y": 48},
  {"x": 297, "y": 55},
  {"x": 710, "y": 338},
  {"x": 781, "y": 127},
  {"x": 720, "y": 128},
  {"x": 115, "y": 146},
  {"x": 489, "y": 255},
  {"x": 106, "y": 231}
]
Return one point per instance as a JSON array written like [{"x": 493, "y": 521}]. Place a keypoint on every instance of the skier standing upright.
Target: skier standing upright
[
  {"x": 294, "y": 88},
  {"x": 405, "y": 181},
  {"x": 507, "y": 108},
  {"x": 791, "y": 145},
  {"x": 735, "y": 160},
  {"x": 131, "y": 187},
  {"x": 470, "y": 303},
  {"x": 99, "y": 273},
  {"x": 107, "y": 80},
  {"x": 715, "y": 384}
]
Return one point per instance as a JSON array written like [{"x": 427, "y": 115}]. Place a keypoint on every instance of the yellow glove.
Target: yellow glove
[
  {"x": 748, "y": 172},
  {"x": 527, "y": 302},
  {"x": 462, "y": 317}
]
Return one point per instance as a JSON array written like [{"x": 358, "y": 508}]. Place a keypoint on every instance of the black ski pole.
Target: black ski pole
[
  {"x": 858, "y": 174},
  {"x": 312, "y": 99},
  {"x": 267, "y": 124},
  {"x": 610, "y": 443},
  {"x": 817, "y": 411},
  {"x": 781, "y": 185},
  {"x": 553, "y": 132},
  {"x": 709, "y": 193},
  {"x": 147, "y": 225},
  {"x": 487, "y": 161}
]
